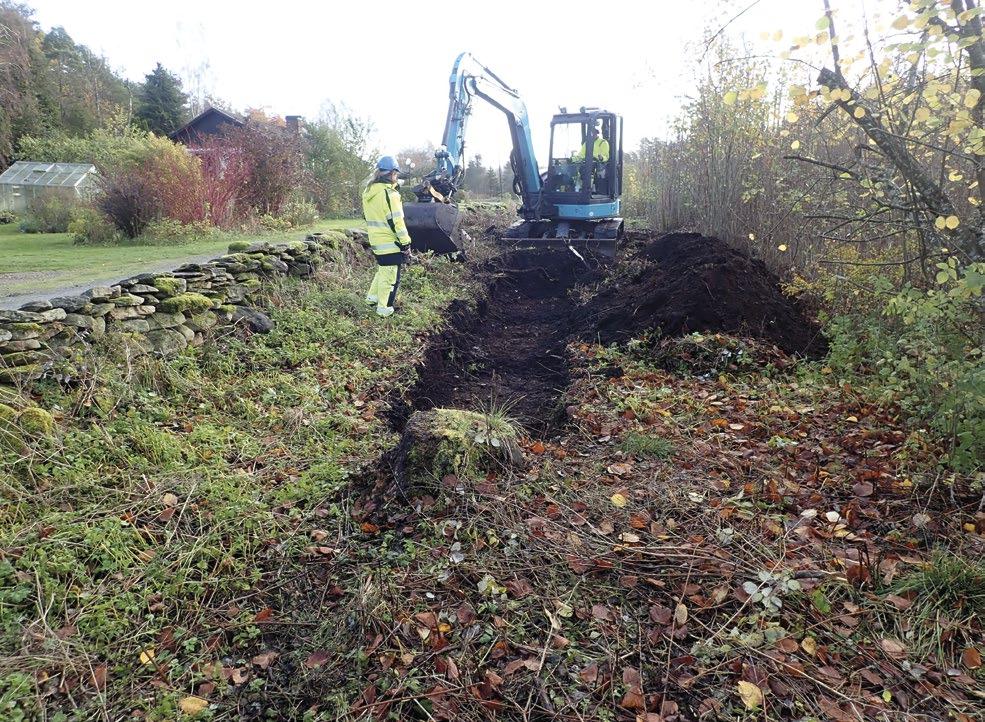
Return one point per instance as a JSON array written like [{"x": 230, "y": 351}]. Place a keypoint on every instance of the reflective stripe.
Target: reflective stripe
[
  {"x": 382, "y": 248},
  {"x": 378, "y": 224},
  {"x": 396, "y": 214}
]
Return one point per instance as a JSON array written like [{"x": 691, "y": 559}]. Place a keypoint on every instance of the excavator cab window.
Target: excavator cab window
[{"x": 581, "y": 150}]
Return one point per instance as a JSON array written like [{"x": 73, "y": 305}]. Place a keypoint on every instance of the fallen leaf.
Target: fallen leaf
[
  {"x": 632, "y": 700},
  {"x": 680, "y": 614},
  {"x": 661, "y": 614},
  {"x": 589, "y": 674},
  {"x": 809, "y": 645},
  {"x": 193, "y": 705},
  {"x": 892, "y": 648},
  {"x": 619, "y": 469},
  {"x": 316, "y": 659},
  {"x": 863, "y": 489},
  {"x": 265, "y": 660},
  {"x": 602, "y": 613},
  {"x": 99, "y": 677},
  {"x": 538, "y": 448},
  {"x": 263, "y": 615},
  {"x": 147, "y": 656},
  {"x": 752, "y": 696},
  {"x": 368, "y": 528},
  {"x": 971, "y": 658},
  {"x": 170, "y": 500},
  {"x": 618, "y": 500}
]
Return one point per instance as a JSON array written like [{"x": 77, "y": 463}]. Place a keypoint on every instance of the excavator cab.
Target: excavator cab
[
  {"x": 584, "y": 175},
  {"x": 579, "y": 203}
]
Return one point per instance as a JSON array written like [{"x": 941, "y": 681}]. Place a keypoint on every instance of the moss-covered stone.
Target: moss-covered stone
[
  {"x": 18, "y": 374},
  {"x": 24, "y": 328},
  {"x": 36, "y": 423},
  {"x": 169, "y": 285},
  {"x": 188, "y": 303},
  {"x": 128, "y": 299},
  {"x": 462, "y": 443},
  {"x": 239, "y": 246}
]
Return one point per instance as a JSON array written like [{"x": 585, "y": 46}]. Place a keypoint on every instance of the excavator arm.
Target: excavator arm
[{"x": 432, "y": 220}]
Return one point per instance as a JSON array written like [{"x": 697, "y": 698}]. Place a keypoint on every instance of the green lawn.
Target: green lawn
[{"x": 35, "y": 262}]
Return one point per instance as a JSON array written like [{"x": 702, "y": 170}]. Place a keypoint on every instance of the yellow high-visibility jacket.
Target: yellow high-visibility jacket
[
  {"x": 600, "y": 151},
  {"x": 384, "y": 214}
]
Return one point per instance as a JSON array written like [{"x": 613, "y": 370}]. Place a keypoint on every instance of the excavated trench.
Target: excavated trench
[{"x": 510, "y": 354}]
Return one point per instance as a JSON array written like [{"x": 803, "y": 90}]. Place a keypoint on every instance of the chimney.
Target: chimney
[{"x": 293, "y": 123}]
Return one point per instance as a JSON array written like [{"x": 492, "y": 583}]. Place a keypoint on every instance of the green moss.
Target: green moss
[
  {"x": 24, "y": 327},
  {"x": 36, "y": 422},
  {"x": 168, "y": 285},
  {"x": 238, "y": 246},
  {"x": 191, "y": 303}
]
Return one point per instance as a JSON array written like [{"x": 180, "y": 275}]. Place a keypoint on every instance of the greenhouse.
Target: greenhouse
[{"x": 24, "y": 181}]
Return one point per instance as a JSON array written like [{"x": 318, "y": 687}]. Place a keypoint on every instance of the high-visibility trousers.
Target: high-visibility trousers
[{"x": 384, "y": 286}]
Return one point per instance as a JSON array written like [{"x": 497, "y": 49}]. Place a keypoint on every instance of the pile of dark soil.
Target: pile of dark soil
[{"x": 680, "y": 283}]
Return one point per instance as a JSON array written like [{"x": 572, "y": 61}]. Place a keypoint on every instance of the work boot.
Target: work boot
[
  {"x": 372, "y": 300},
  {"x": 384, "y": 312}
]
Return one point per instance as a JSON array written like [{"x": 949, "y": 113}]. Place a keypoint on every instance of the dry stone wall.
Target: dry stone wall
[{"x": 164, "y": 312}]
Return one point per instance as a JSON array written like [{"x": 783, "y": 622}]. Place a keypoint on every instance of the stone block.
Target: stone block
[
  {"x": 134, "y": 325},
  {"x": 101, "y": 309},
  {"x": 79, "y": 320},
  {"x": 20, "y": 316},
  {"x": 28, "y": 344},
  {"x": 100, "y": 293},
  {"x": 71, "y": 304},
  {"x": 165, "y": 320},
  {"x": 127, "y": 299},
  {"x": 37, "y": 306},
  {"x": 124, "y": 312},
  {"x": 167, "y": 341}
]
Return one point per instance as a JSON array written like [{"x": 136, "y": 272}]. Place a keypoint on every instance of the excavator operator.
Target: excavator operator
[
  {"x": 600, "y": 155},
  {"x": 388, "y": 236}
]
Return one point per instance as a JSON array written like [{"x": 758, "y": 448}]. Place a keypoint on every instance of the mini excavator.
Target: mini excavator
[{"x": 575, "y": 204}]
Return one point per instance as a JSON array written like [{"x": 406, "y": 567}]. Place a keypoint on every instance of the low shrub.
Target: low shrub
[
  {"x": 268, "y": 222},
  {"x": 300, "y": 213},
  {"x": 89, "y": 227},
  {"x": 49, "y": 213},
  {"x": 170, "y": 232},
  {"x": 7, "y": 217}
]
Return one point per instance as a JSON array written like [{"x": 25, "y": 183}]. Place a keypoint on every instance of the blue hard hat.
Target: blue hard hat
[{"x": 387, "y": 163}]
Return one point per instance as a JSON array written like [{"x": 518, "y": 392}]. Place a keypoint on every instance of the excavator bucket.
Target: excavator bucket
[{"x": 432, "y": 226}]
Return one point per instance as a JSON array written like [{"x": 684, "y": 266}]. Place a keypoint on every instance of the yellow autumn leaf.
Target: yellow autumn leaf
[
  {"x": 752, "y": 696},
  {"x": 147, "y": 656},
  {"x": 971, "y": 98},
  {"x": 901, "y": 23},
  {"x": 792, "y": 117},
  {"x": 730, "y": 97},
  {"x": 193, "y": 705},
  {"x": 970, "y": 528},
  {"x": 952, "y": 222},
  {"x": 954, "y": 176},
  {"x": 939, "y": 223},
  {"x": 782, "y": 247},
  {"x": 618, "y": 500},
  {"x": 795, "y": 145},
  {"x": 859, "y": 112},
  {"x": 809, "y": 645}
]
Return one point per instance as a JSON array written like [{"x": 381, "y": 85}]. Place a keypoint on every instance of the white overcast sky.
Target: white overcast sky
[{"x": 389, "y": 61}]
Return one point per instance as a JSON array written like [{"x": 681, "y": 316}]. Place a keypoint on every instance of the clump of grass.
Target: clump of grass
[
  {"x": 948, "y": 584},
  {"x": 646, "y": 445}
]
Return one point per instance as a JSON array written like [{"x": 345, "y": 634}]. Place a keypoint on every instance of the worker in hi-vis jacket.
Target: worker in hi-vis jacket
[{"x": 388, "y": 236}]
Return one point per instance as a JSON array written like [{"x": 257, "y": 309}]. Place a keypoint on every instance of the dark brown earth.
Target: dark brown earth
[{"x": 680, "y": 283}]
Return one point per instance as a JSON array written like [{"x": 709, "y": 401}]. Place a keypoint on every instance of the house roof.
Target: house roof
[
  {"x": 32, "y": 173},
  {"x": 222, "y": 117}
]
